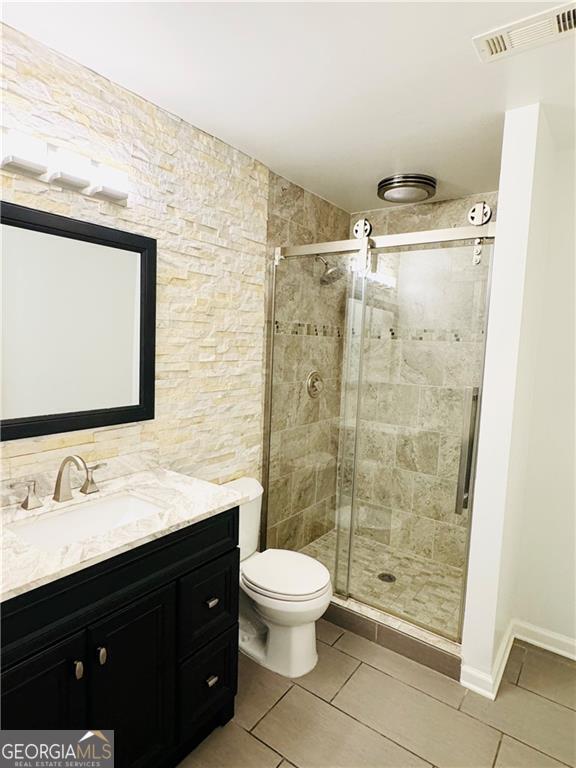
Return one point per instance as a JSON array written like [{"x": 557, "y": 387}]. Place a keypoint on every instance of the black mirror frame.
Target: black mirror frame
[{"x": 29, "y": 218}]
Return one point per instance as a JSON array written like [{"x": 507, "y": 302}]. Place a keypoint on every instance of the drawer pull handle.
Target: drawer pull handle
[
  {"x": 212, "y": 602},
  {"x": 212, "y": 680},
  {"x": 102, "y": 656},
  {"x": 78, "y": 670}
]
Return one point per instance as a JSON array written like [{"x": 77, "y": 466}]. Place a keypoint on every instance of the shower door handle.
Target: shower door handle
[{"x": 471, "y": 395}]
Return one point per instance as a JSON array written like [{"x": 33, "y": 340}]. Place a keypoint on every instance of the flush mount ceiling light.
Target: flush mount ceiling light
[{"x": 407, "y": 188}]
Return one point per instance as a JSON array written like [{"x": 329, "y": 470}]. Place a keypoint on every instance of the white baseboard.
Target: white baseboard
[
  {"x": 477, "y": 681},
  {"x": 543, "y": 638},
  {"x": 488, "y": 684}
]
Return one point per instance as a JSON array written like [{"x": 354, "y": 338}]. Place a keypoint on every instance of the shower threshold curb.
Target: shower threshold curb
[{"x": 426, "y": 648}]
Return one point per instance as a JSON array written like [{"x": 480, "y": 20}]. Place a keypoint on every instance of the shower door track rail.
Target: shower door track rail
[{"x": 389, "y": 241}]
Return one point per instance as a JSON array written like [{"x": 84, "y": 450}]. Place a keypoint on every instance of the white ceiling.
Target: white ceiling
[{"x": 334, "y": 96}]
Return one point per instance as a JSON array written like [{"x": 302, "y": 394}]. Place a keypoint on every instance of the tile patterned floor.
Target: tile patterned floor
[
  {"x": 424, "y": 592},
  {"x": 367, "y": 707}
]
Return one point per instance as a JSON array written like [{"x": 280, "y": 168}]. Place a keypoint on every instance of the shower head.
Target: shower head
[{"x": 330, "y": 274}]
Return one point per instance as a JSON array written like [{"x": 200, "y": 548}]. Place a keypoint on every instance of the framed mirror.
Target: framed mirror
[{"x": 78, "y": 324}]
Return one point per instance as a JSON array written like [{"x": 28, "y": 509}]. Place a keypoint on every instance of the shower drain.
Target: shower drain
[{"x": 387, "y": 577}]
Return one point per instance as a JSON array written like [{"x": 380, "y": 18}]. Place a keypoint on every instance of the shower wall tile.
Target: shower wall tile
[
  {"x": 441, "y": 409},
  {"x": 381, "y": 356},
  {"x": 412, "y": 534},
  {"x": 279, "y": 499},
  {"x": 287, "y": 199},
  {"x": 463, "y": 364},
  {"x": 449, "y": 456},
  {"x": 393, "y": 487},
  {"x": 319, "y": 519},
  {"x": 417, "y": 450},
  {"x": 417, "y": 218},
  {"x": 376, "y": 442},
  {"x": 303, "y": 489},
  {"x": 308, "y": 335},
  {"x": 421, "y": 362},
  {"x": 398, "y": 404},
  {"x": 291, "y": 533},
  {"x": 434, "y": 497},
  {"x": 374, "y": 521},
  {"x": 326, "y": 480},
  {"x": 450, "y": 545}
]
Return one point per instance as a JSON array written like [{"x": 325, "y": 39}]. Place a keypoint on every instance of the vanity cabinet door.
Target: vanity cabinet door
[
  {"x": 132, "y": 678},
  {"x": 48, "y": 690}
]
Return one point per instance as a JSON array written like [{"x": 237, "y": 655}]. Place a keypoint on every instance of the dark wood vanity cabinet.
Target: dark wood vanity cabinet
[
  {"x": 145, "y": 643},
  {"x": 47, "y": 676}
]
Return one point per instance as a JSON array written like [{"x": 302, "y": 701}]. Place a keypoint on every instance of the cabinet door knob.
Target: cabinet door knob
[
  {"x": 212, "y": 602},
  {"x": 102, "y": 655},
  {"x": 78, "y": 670},
  {"x": 212, "y": 680}
]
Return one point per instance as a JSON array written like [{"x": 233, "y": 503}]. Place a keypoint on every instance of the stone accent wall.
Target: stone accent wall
[
  {"x": 308, "y": 335},
  {"x": 206, "y": 204},
  {"x": 423, "y": 346}
]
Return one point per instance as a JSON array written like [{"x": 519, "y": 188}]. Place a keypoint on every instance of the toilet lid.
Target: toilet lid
[{"x": 285, "y": 573}]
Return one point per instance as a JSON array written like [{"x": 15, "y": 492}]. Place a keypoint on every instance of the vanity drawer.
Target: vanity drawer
[
  {"x": 207, "y": 681},
  {"x": 208, "y": 602}
]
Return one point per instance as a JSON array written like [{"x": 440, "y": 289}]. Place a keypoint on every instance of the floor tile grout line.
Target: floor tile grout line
[
  {"x": 452, "y": 709},
  {"x": 540, "y": 752},
  {"x": 409, "y": 685},
  {"x": 365, "y": 725},
  {"x": 497, "y": 749},
  {"x": 546, "y": 698},
  {"x": 261, "y": 741},
  {"x": 466, "y": 714},
  {"x": 332, "y": 644},
  {"x": 270, "y": 709},
  {"x": 345, "y": 681},
  {"x": 515, "y": 738}
]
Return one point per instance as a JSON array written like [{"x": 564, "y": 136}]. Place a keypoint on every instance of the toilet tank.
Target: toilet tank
[{"x": 250, "y": 511}]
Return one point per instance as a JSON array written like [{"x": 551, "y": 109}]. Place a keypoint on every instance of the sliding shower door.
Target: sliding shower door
[
  {"x": 416, "y": 337},
  {"x": 308, "y": 338}
]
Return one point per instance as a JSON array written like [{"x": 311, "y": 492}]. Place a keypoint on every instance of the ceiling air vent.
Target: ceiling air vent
[{"x": 533, "y": 31}]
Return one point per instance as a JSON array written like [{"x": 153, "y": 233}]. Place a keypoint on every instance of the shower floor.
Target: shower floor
[{"x": 424, "y": 593}]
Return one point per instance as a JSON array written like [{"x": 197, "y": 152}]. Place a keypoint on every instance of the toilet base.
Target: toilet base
[{"x": 288, "y": 651}]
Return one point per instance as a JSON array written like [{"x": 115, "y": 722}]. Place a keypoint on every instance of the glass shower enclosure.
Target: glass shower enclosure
[{"x": 375, "y": 387}]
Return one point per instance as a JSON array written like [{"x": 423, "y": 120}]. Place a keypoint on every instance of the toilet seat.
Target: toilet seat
[{"x": 285, "y": 575}]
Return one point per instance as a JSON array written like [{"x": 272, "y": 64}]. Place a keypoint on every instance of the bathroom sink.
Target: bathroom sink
[{"x": 83, "y": 520}]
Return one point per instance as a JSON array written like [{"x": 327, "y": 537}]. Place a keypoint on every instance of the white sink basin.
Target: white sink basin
[{"x": 83, "y": 520}]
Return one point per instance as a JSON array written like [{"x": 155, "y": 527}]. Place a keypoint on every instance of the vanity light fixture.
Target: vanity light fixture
[
  {"x": 70, "y": 169},
  {"x": 109, "y": 184},
  {"x": 24, "y": 153}
]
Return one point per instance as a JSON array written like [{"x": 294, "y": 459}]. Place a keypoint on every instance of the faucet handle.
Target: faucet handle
[
  {"x": 32, "y": 501},
  {"x": 89, "y": 484}
]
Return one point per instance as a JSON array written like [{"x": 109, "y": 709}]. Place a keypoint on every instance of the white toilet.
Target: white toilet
[{"x": 282, "y": 595}]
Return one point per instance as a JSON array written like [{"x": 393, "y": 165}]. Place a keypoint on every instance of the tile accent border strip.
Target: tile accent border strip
[
  {"x": 285, "y": 328},
  {"x": 435, "y": 658}
]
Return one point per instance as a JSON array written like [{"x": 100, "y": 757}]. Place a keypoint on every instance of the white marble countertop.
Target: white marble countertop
[{"x": 184, "y": 501}]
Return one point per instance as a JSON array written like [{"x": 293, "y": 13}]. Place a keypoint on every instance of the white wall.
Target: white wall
[
  {"x": 544, "y": 604},
  {"x": 521, "y": 572}
]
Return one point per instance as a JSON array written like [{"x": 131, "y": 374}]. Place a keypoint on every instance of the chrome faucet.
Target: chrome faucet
[{"x": 62, "y": 490}]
